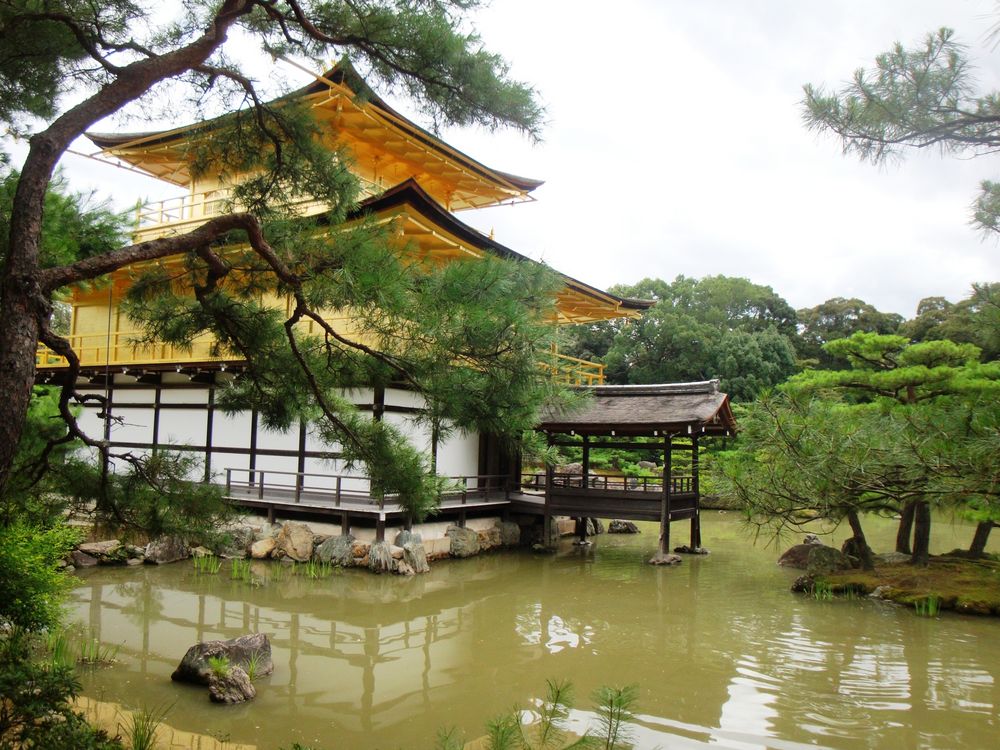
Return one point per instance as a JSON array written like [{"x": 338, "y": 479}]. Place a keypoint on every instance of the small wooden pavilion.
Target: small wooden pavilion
[{"x": 670, "y": 418}]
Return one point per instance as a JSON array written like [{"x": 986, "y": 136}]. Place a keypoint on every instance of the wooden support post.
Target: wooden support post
[
  {"x": 696, "y": 518},
  {"x": 345, "y": 523},
  {"x": 380, "y": 528},
  {"x": 270, "y": 513},
  {"x": 547, "y": 516},
  {"x": 586, "y": 461},
  {"x": 300, "y": 479},
  {"x": 665, "y": 502}
]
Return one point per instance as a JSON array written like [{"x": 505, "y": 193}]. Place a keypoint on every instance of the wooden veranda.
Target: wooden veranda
[{"x": 668, "y": 418}]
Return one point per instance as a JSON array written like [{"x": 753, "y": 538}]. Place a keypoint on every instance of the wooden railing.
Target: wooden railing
[
  {"x": 678, "y": 484},
  {"x": 184, "y": 212},
  {"x": 340, "y": 489}
]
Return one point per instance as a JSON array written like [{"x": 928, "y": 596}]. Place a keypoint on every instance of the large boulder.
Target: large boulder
[
  {"x": 338, "y": 550},
  {"x": 232, "y": 687},
  {"x": 82, "y": 559},
  {"x": 295, "y": 540},
  {"x": 489, "y": 538},
  {"x": 510, "y": 533},
  {"x": 404, "y": 536},
  {"x": 108, "y": 552},
  {"x": 594, "y": 526},
  {"x": 236, "y": 541},
  {"x": 415, "y": 557},
  {"x": 262, "y": 548},
  {"x": 464, "y": 542},
  {"x": 380, "y": 559},
  {"x": 622, "y": 527},
  {"x": 823, "y": 560},
  {"x": 239, "y": 651},
  {"x": 797, "y": 556},
  {"x": 167, "y": 549}
]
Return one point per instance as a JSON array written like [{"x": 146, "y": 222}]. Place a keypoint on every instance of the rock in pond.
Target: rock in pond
[
  {"x": 233, "y": 687},
  {"x": 823, "y": 559},
  {"x": 797, "y": 556},
  {"x": 338, "y": 550},
  {"x": 109, "y": 552},
  {"x": 415, "y": 557},
  {"x": 262, "y": 548},
  {"x": 295, "y": 540},
  {"x": 380, "y": 558},
  {"x": 167, "y": 549},
  {"x": 405, "y": 536},
  {"x": 510, "y": 533},
  {"x": 668, "y": 559},
  {"x": 82, "y": 559},
  {"x": 194, "y": 666},
  {"x": 622, "y": 527},
  {"x": 464, "y": 542}
]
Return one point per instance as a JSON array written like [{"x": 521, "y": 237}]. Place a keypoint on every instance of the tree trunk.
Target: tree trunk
[
  {"x": 905, "y": 527},
  {"x": 921, "y": 533},
  {"x": 861, "y": 544},
  {"x": 982, "y": 536}
]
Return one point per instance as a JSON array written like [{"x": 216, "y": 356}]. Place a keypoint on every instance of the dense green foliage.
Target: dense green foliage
[
  {"x": 35, "y": 711},
  {"x": 838, "y": 318},
  {"x": 30, "y": 583},
  {"x": 716, "y": 327},
  {"x": 908, "y": 428}
]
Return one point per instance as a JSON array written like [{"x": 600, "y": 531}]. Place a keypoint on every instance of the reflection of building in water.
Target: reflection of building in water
[{"x": 361, "y": 665}]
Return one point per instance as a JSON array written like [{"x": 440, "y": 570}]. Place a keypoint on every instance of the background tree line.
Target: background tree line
[{"x": 751, "y": 339}]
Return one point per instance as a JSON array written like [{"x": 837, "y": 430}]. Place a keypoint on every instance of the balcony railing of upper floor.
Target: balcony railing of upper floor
[
  {"x": 184, "y": 212},
  {"x": 120, "y": 349}
]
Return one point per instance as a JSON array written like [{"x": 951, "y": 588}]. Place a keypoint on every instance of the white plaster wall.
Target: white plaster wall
[
  {"x": 180, "y": 396},
  {"x": 136, "y": 396},
  {"x": 273, "y": 440},
  {"x": 398, "y": 397},
  {"x": 418, "y": 435},
  {"x": 90, "y": 423},
  {"x": 183, "y": 426},
  {"x": 458, "y": 455},
  {"x": 136, "y": 425},
  {"x": 231, "y": 430}
]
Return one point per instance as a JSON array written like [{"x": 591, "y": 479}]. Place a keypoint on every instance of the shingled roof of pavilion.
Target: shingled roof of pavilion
[{"x": 646, "y": 410}]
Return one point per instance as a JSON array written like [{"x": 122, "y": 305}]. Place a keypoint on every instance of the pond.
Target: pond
[{"x": 723, "y": 654}]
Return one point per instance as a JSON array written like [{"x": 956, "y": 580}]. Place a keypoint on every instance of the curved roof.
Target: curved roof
[
  {"x": 588, "y": 303},
  {"x": 158, "y": 152},
  {"x": 644, "y": 410}
]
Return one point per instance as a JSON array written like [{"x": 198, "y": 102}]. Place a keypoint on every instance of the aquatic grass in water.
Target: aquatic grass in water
[
  {"x": 254, "y": 663},
  {"x": 93, "y": 653},
  {"x": 314, "y": 569},
  {"x": 929, "y": 606},
  {"x": 60, "y": 649},
  {"x": 141, "y": 727},
  {"x": 822, "y": 591},
  {"x": 240, "y": 571},
  {"x": 219, "y": 665},
  {"x": 549, "y": 729},
  {"x": 206, "y": 564}
]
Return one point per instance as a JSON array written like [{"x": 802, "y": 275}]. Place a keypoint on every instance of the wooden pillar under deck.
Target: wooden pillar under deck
[
  {"x": 696, "y": 518},
  {"x": 547, "y": 517},
  {"x": 665, "y": 501},
  {"x": 345, "y": 523}
]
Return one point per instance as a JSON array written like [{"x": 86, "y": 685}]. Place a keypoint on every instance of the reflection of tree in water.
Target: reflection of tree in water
[{"x": 144, "y": 602}]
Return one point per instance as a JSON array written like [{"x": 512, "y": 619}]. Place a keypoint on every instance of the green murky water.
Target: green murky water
[{"x": 723, "y": 654}]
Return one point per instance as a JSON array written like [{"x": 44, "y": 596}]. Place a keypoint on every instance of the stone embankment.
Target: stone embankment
[{"x": 407, "y": 554}]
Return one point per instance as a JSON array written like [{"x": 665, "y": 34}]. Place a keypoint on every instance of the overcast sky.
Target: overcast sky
[{"x": 675, "y": 145}]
